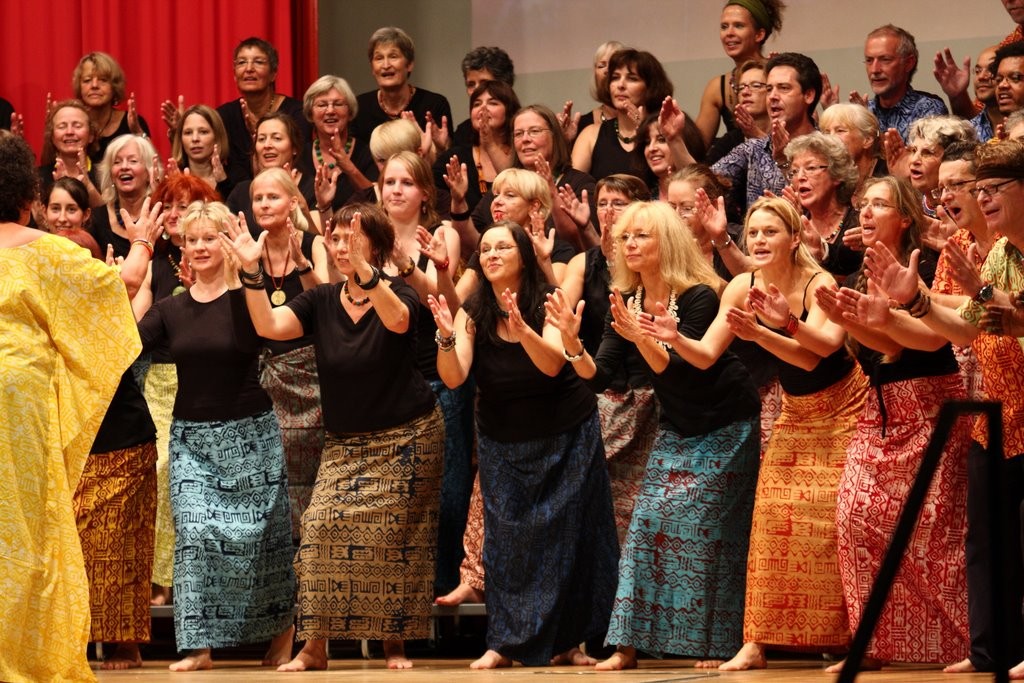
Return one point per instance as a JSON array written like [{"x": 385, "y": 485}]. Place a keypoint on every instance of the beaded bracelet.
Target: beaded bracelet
[
  {"x": 444, "y": 343},
  {"x": 372, "y": 282},
  {"x": 146, "y": 243},
  {"x": 408, "y": 269}
]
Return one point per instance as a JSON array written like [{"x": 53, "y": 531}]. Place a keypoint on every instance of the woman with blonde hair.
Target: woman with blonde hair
[
  {"x": 99, "y": 82},
  {"x": 706, "y": 447},
  {"x": 200, "y": 143}
]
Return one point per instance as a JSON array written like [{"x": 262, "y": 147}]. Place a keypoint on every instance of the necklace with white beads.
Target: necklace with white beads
[{"x": 673, "y": 307}]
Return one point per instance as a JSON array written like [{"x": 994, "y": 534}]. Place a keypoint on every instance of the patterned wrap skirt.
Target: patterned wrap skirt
[
  {"x": 925, "y": 617},
  {"x": 550, "y": 548},
  {"x": 115, "y": 510},
  {"x": 369, "y": 536},
  {"x": 293, "y": 385},
  {"x": 683, "y": 568},
  {"x": 629, "y": 423},
  {"x": 233, "y": 578},
  {"x": 794, "y": 593},
  {"x": 161, "y": 387}
]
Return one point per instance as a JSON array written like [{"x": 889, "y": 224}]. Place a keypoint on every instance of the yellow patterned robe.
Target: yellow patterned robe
[{"x": 66, "y": 336}]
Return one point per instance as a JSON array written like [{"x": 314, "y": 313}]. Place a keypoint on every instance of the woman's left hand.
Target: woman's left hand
[
  {"x": 219, "y": 174},
  {"x": 543, "y": 242},
  {"x": 517, "y": 327},
  {"x": 147, "y": 227},
  {"x": 743, "y": 323},
  {"x": 133, "y": 117},
  {"x": 770, "y": 305},
  {"x": 433, "y": 246},
  {"x": 624, "y": 321},
  {"x": 868, "y": 310},
  {"x": 577, "y": 208},
  {"x": 559, "y": 314}
]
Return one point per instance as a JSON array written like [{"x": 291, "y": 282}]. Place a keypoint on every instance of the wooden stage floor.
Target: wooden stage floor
[{"x": 457, "y": 671}]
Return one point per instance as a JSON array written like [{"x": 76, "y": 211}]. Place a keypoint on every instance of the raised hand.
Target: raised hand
[
  {"x": 171, "y": 167},
  {"x": 829, "y": 92},
  {"x": 133, "y": 117},
  {"x": 240, "y": 243},
  {"x": 457, "y": 179},
  {"x": 356, "y": 242},
  {"x": 560, "y": 315},
  {"x": 50, "y": 104},
  {"x": 636, "y": 114},
  {"x": 146, "y": 227},
  {"x": 827, "y": 298},
  {"x": 853, "y": 238},
  {"x": 780, "y": 138},
  {"x": 963, "y": 267},
  {"x": 745, "y": 122},
  {"x": 577, "y": 208},
  {"x": 896, "y": 156},
  {"x": 439, "y": 134},
  {"x": 868, "y": 310},
  {"x": 743, "y": 323},
  {"x": 671, "y": 119},
  {"x": 442, "y": 315},
  {"x": 517, "y": 327},
  {"x": 543, "y": 243},
  {"x": 542, "y": 168},
  {"x": 247, "y": 116},
  {"x": 17, "y": 124},
  {"x": 569, "y": 122},
  {"x": 325, "y": 184},
  {"x": 900, "y": 283},
  {"x": 771, "y": 305},
  {"x": 857, "y": 98},
  {"x": 433, "y": 246},
  {"x": 953, "y": 79},
  {"x": 219, "y": 174},
  {"x": 172, "y": 114},
  {"x": 184, "y": 273},
  {"x": 711, "y": 216},
  {"x": 1005, "y": 320},
  {"x": 658, "y": 325}
]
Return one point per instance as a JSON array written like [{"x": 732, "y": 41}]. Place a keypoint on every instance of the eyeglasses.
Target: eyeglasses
[
  {"x": 324, "y": 106},
  {"x": 992, "y": 189},
  {"x": 807, "y": 171},
  {"x": 614, "y": 205},
  {"x": 638, "y": 237},
  {"x": 242, "y": 63},
  {"x": 683, "y": 210},
  {"x": 875, "y": 204},
  {"x": 1014, "y": 77},
  {"x": 529, "y": 133},
  {"x": 923, "y": 152},
  {"x": 498, "y": 249},
  {"x": 753, "y": 86},
  {"x": 951, "y": 188}
]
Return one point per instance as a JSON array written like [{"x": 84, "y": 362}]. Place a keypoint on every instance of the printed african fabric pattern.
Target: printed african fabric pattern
[
  {"x": 771, "y": 408},
  {"x": 67, "y": 334},
  {"x": 794, "y": 593},
  {"x": 550, "y": 547},
  {"x": 471, "y": 571},
  {"x": 629, "y": 421},
  {"x": 456, "y": 481},
  {"x": 683, "y": 568},
  {"x": 291, "y": 381},
  {"x": 369, "y": 535},
  {"x": 115, "y": 508},
  {"x": 233, "y": 580},
  {"x": 925, "y": 617},
  {"x": 161, "y": 386}
]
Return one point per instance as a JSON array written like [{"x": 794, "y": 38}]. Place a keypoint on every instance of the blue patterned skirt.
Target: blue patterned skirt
[
  {"x": 682, "y": 575},
  {"x": 233, "y": 577},
  {"x": 550, "y": 549}
]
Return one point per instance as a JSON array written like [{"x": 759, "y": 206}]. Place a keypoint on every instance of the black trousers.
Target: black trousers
[{"x": 980, "y": 545}]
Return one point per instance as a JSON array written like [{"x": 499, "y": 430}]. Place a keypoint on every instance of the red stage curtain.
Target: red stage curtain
[{"x": 165, "y": 48}]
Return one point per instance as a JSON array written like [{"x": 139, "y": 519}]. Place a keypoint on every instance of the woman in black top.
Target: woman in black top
[
  {"x": 98, "y": 81},
  {"x": 550, "y": 547},
  {"x": 375, "y": 500}
]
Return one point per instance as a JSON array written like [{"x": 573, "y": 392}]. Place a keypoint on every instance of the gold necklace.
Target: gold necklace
[{"x": 278, "y": 296}]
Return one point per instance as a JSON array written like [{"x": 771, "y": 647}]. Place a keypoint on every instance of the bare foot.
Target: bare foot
[
  {"x": 750, "y": 656},
  {"x": 313, "y": 657},
  {"x": 161, "y": 595},
  {"x": 708, "y": 663},
  {"x": 394, "y": 655},
  {"x": 280, "y": 651},
  {"x": 125, "y": 656},
  {"x": 624, "y": 658},
  {"x": 462, "y": 593},
  {"x": 573, "y": 657},
  {"x": 491, "y": 660},
  {"x": 963, "y": 667},
  {"x": 867, "y": 664},
  {"x": 197, "y": 660},
  {"x": 1017, "y": 672}
]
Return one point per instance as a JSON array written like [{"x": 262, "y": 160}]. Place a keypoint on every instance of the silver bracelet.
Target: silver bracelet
[{"x": 577, "y": 358}]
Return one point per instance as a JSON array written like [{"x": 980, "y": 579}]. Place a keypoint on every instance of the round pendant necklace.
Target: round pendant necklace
[
  {"x": 622, "y": 138},
  {"x": 278, "y": 296}
]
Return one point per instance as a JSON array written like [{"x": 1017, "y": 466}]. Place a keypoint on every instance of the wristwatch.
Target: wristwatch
[{"x": 984, "y": 294}]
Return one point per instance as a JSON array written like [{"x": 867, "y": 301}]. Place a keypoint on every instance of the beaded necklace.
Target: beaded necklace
[
  {"x": 349, "y": 143},
  {"x": 360, "y": 302},
  {"x": 622, "y": 138},
  {"x": 673, "y": 307},
  {"x": 380, "y": 102}
]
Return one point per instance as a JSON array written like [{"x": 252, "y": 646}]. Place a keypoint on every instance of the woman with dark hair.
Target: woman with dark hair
[
  {"x": 344, "y": 165},
  {"x": 392, "y": 56},
  {"x": 492, "y": 108},
  {"x": 605, "y": 109},
  {"x": 913, "y": 372},
  {"x": 706, "y": 447},
  {"x": 255, "y": 63},
  {"x": 657, "y": 154},
  {"x": 637, "y": 84},
  {"x": 550, "y": 547},
  {"x": 69, "y": 142},
  {"x": 200, "y": 144},
  {"x": 745, "y": 27},
  {"x": 67, "y": 213},
  {"x": 277, "y": 145},
  {"x": 376, "y": 492},
  {"x": 99, "y": 83},
  {"x": 67, "y": 335}
]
